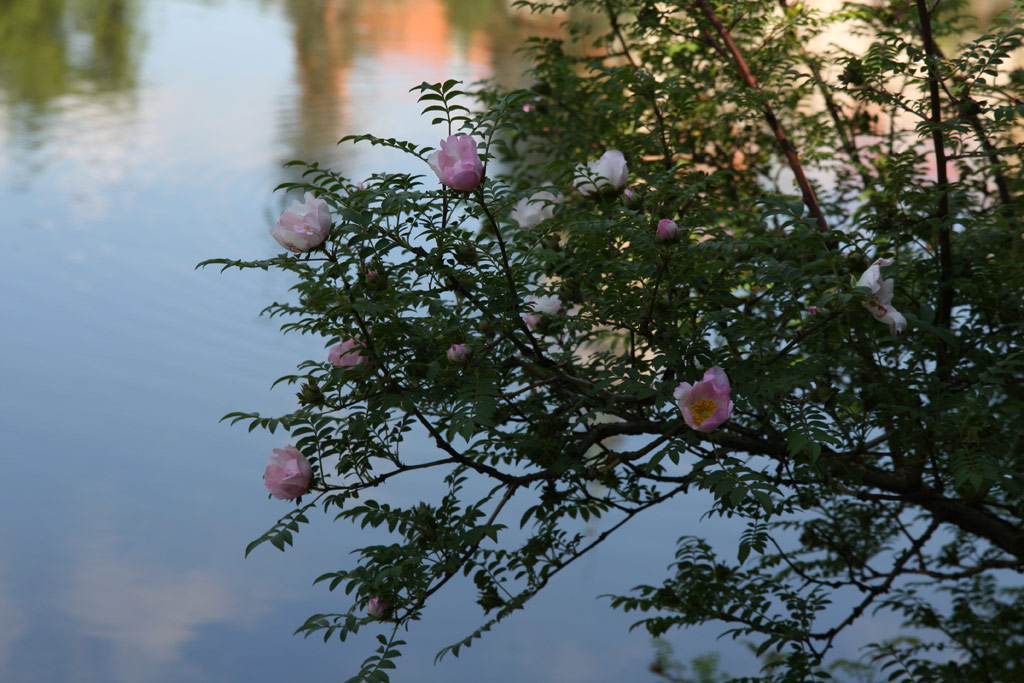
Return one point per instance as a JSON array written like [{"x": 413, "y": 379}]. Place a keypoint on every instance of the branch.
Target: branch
[
  {"x": 970, "y": 517},
  {"x": 945, "y": 311}
]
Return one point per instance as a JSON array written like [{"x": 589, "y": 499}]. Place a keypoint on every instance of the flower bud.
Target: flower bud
[
  {"x": 466, "y": 254},
  {"x": 376, "y": 607},
  {"x": 458, "y": 353},
  {"x": 667, "y": 229},
  {"x": 457, "y": 163},
  {"x": 310, "y": 394}
]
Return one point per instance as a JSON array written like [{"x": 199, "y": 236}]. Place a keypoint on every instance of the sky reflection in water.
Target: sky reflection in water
[{"x": 128, "y": 506}]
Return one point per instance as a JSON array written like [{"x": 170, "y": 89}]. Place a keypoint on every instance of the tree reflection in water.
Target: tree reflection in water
[{"x": 51, "y": 48}]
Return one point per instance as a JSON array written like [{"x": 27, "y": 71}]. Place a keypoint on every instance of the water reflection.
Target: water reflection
[
  {"x": 357, "y": 59},
  {"x": 50, "y": 48}
]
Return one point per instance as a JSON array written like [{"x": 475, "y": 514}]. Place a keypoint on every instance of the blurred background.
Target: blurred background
[{"x": 137, "y": 138}]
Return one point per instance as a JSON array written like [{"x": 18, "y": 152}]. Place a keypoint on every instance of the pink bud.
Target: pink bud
[
  {"x": 457, "y": 353},
  {"x": 813, "y": 310},
  {"x": 376, "y": 607},
  {"x": 371, "y": 275},
  {"x": 457, "y": 163},
  {"x": 288, "y": 474},
  {"x": 628, "y": 192},
  {"x": 667, "y": 229}
]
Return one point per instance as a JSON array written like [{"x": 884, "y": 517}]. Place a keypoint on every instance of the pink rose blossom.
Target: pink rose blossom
[
  {"x": 608, "y": 171},
  {"x": 540, "y": 306},
  {"x": 376, "y": 607},
  {"x": 457, "y": 353},
  {"x": 288, "y": 474},
  {"x": 667, "y": 229},
  {"x": 457, "y": 164},
  {"x": 347, "y": 354},
  {"x": 706, "y": 404},
  {"x": 303, "y": 226},
  {"x": 879, "y": 302}
]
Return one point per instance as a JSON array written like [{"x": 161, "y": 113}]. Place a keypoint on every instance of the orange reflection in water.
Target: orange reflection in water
[{"x": 346, "y": 47}]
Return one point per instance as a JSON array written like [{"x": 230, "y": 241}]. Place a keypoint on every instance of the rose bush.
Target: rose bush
[{"x": 862, "y": 471}]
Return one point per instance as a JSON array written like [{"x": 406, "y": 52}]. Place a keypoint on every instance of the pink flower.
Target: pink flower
[
  {"x": 813, "y": 310},
  {"x": 540, "y": 306},
  {"x": 288, "y": 474},
  {"x": 457, "y": 353},
  {"x": 457, "y": 164},
  {"x": 628, "y": 193},
  {"x": 879, "y": 302},
  {"x": 667, "y": 229},
  {"x": 539, "y": 207},
  {"x": 347, "y": 354},
  {"x": 706, "y": 404},
  {"x": 303, "y": 226},
  {"x": 608, "y": 171},
  {"x": 376, "y": 607}
]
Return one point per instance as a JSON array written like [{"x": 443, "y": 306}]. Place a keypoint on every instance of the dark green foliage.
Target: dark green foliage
[{"x": 867, "y": 472}]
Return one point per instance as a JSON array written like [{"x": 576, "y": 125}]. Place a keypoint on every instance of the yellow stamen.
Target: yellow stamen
[
  {"x": 702, "y": 410},
  {"x": 309, "y": 229}
]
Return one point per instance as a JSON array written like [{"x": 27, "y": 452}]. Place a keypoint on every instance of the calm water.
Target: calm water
[{"x": 136, "y": 139}]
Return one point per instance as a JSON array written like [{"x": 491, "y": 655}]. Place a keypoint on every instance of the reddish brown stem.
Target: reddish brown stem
[{"x": 780, "y": 135}]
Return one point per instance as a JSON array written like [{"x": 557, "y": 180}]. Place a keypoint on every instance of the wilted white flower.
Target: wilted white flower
[{"x": 880, "y": 300}]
